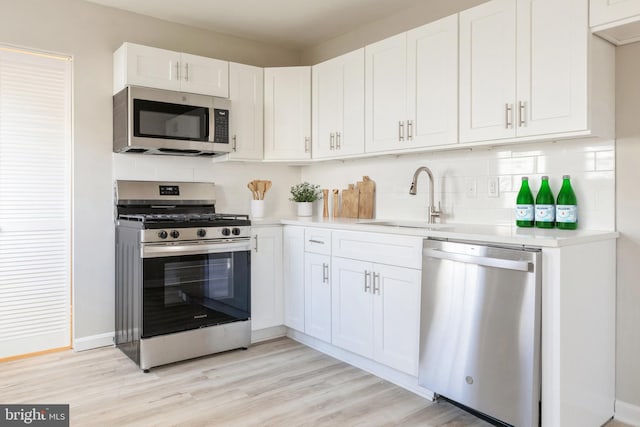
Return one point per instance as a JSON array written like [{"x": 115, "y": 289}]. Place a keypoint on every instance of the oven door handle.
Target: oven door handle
[{"x": 164, "y": 250}]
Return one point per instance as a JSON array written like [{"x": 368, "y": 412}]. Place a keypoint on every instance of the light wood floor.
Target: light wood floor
[{"x": 277, "y": 383}]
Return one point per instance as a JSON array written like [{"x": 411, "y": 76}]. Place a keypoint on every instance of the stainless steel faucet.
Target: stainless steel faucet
[{"x": 433, "y": 212}]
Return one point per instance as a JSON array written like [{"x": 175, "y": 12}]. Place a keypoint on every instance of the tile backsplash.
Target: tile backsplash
[{"x": 462, "y": 179}]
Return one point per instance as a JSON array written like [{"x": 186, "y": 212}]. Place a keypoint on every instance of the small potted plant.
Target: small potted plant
[{"x": 304, "y": 195}]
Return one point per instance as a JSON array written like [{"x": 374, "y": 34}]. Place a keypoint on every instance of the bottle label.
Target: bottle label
[
  {"x": 545, "y": 213},
  {"x": 524, "y": 213},
  {"x": 566, "y": 213}
]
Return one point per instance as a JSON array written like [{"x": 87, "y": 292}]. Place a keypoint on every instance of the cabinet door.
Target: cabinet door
[
  {"x": 327, "y": 89},
  {"x": 386, "y": 94},
  {"x": 152, "y": 67},
  {"x": 206, "y": 76},
  {"x": 294, "y": 277},
  {"x": 487, "y": 71},
  {"x": 246, "y": 93},
  {"x": 351, "y": 306},
  {"x": 605, "y": 11},
  {"x": 266, "y": 278},
  {"x": 432, "y": 79},
  {"x": 397, "y": 317},
  {"x": 317, "y": 296},
  {"x": 552, "y": 66},
  {"x": 338, "y": 106},
  {"x": 287, "y": 113}
]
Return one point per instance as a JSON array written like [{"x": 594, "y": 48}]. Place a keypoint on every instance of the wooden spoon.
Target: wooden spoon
[
  {"x": 251, "y": 186},
  {"x": 267, "y": 186},
  {"x": 261, "y": 189}
]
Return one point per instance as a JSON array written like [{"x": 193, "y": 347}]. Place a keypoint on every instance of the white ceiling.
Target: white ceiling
[{"x": 293, "y": 24}]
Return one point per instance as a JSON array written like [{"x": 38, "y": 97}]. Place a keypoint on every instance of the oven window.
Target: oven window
[
  {"x": 187, "y": 292},
  {"x": 170, "y": 121}
]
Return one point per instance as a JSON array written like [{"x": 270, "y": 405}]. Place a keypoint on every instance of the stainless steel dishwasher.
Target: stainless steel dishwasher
[{"x": 480, "y": 328}]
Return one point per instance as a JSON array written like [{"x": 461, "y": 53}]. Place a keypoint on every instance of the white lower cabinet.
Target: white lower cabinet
[
  {"x": 376, "y": 312},
  {"x": 317, "y": 293},
  {"x": 294, "y": 277},
  {"x": 266, "y": 278}
]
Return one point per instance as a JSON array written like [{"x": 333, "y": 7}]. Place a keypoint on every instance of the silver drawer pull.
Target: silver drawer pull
[{"x": 320, "y": 242}]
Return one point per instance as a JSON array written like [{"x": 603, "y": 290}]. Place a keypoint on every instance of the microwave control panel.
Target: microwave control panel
[{"x": 221, "y": 126}]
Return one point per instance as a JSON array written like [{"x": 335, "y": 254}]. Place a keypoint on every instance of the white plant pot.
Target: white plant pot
[{"x": 304, "y": 208}]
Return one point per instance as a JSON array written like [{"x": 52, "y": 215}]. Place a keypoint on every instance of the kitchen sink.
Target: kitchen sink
[{"x": 407, "y": 224}]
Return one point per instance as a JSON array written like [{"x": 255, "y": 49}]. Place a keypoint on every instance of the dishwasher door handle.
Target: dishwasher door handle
[{"x": 506, "y": 264}]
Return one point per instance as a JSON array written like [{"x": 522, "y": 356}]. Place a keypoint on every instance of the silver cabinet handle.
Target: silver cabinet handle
[
  {"x": 410, "y": 130},
  {"x": 234, "y": 146},
  {"x": 320, "y": 242},
  {"x": 522, "y": 118},
  {"x": 508, "y": 109},
  {"x": 186, "y": 72},
  {"x": 256, "y": 248},
  {"x": 376, "y": 283},
  {"x": 338, "y": 140},
  {"x": 331, "y": 141},
  {"x": 177, "y": 70},
  {"x": 367, "y": 281},
  {"x": 479, "y": 260},
  {"x": 325, "y": 272},
  {"x": 306, "y": 144},
  {"x": 400, "y": 131}
]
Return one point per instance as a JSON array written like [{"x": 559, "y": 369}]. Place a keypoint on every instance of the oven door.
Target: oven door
[{"x": 185, "y": 290}]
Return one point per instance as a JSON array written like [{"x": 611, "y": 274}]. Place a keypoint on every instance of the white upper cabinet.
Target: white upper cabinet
[
  {"x": 338, "y": 106},
  {"x": 487, "y": 71},
  {"x": 411, "y": 88},
  {"x": 529, "y": 67},
  {"x": 164, "y": 69},
  {"x": 207, "y": 76},
  {"x": 246, "y": 93},
  {"x": 287, "y": 113},
  {"x": 432, "y": 83},
  {"x": 616, "y": 20}
]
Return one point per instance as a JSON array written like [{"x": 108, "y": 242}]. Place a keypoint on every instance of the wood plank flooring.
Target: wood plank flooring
[{"x": 277, "y": 383}]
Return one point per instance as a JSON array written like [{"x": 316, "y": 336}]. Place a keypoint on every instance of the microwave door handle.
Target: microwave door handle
[{"x": 212, "y": 122}]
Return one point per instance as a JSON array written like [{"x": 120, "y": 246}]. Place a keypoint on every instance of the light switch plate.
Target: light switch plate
[{"x": 493, "y": 186}]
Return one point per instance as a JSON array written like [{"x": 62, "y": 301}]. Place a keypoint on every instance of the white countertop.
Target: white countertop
[{"x": 510, "y": 235}]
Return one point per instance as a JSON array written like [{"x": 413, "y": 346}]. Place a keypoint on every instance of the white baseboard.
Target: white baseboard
[
  {"x": 268, "y": 334},
  {"x": 627, "y": 413},
  {"x": 93, "y": 341},
  {"x": 398, "y": 378}
]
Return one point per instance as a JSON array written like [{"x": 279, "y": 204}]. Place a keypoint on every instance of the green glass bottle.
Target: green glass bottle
[
  {"x": 524, "y": 205},
  {"x": 545, "y": 205},
  {"x": 566, "y": 206}
]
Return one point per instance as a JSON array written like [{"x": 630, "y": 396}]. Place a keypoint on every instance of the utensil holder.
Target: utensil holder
[{"x": 257, "y": 208}]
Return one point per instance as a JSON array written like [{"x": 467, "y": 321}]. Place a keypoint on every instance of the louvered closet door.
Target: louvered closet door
[{"x": 35, "y": 154}]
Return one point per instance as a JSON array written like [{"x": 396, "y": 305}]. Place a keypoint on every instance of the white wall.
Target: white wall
[
  {"x": 91, "y": 33},
  {"x": 589, "y": 162},
  {"x": 231, "y": 178},
  {"x": 628, "y": 222}
]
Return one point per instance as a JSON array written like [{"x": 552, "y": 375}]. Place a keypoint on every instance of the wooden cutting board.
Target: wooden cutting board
[
  {"x": 366, "y": 196},
  {"x": 350, "y": 202}
]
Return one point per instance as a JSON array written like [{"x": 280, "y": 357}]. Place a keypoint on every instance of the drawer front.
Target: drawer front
[
  {"x": 317, "y": 240},
  {"x": 389, "y": 249}
]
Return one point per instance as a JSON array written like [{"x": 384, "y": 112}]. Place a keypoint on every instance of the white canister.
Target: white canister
[{"x": 257, "y": 208}]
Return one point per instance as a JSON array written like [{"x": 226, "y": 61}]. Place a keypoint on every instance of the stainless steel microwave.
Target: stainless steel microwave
[{"x": 156, "y": 121}]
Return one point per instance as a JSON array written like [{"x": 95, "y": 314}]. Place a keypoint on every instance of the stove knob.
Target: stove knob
[
  {"x": 175, "y": 234},
  {"x": 163, "y": 234},
  {"x": 226, "y": 231},
  {"x": 202, "y": 232},
  {"x": 235, "y": 231}
]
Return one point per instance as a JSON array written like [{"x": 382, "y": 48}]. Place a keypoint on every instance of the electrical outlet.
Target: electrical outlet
[
  {"x": 493, "y": 186},
  {"x": 471, "y": 186}
]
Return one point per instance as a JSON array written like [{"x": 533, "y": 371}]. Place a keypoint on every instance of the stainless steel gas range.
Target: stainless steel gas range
[{"x": 183, "y": 273}]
